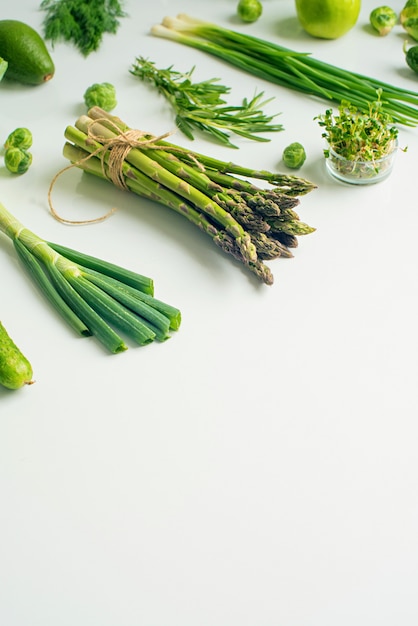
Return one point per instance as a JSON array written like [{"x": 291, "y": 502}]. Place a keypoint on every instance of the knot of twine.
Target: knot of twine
[{"x": 117, "y": 149}]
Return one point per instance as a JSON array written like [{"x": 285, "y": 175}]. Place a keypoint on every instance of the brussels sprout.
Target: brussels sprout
[
  {"x": 102, "y": 95},
  {"x": 409, "y": 18},
  {"x": 383, "y": 19},
  {"x": 17, "y": 161},
  {"x": 294, "y": 155},
  {"x": 410, "y": 10},
  {"x": 411, "y": 27},
  {"x": 19, "y": 138},
  {"x": 249, "y": 10}
]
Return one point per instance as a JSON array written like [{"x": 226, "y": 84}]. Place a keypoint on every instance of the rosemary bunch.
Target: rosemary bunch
[
  {"x": 200, "y": 105},
  {"x": 250, "y": 223}
]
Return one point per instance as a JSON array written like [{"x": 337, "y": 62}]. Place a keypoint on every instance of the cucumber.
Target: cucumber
[
  {"x": 3, "y": 67},
  {"x": 15, "y": 369}
]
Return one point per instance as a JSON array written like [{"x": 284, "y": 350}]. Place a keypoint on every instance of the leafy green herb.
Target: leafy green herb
[
  {"x": 358, "y": 136},
  {"x": 200, "y": 106},
  {"x": 296, "y": 70},
  {"x": 81, "y": 23}
]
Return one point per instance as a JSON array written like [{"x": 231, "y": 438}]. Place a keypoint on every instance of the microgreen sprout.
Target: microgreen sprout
[{"x": 358, "y": 136}]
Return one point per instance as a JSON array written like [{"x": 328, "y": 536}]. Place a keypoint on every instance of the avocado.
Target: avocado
[{"x": 28, "y": 59}]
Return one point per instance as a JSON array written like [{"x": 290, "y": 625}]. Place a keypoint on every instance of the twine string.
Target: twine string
[{"x": 116, "y": 149}]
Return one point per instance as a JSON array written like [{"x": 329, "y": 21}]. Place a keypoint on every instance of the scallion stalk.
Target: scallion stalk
[
  {"x": 295, "y": 70},
  {"x": 94, "y": 297}
]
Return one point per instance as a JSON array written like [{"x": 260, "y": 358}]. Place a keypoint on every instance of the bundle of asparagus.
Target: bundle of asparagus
[{"x": 252, "y": 224}]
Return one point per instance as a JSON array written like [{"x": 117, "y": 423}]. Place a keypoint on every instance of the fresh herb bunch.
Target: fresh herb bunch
[
  {"x": 359, "y": 136},
  {"x": 81, "y": 23},
  {"x": 200, "y": 105}
]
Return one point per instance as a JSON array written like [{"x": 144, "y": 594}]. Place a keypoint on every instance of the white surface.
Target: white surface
[{"x": 260, "y": 468}]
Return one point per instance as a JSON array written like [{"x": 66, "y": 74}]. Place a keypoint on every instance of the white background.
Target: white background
[{"x": 259, "y": 468}]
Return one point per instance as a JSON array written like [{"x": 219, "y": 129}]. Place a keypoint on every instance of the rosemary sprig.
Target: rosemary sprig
[{"x": 201, "y": 105}]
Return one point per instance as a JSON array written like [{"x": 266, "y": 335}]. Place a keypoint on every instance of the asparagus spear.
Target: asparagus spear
[
  {"x": 165, "y": 197},
  {"x": 290, "y": 184},
  {"x": 214, "y": 195}
]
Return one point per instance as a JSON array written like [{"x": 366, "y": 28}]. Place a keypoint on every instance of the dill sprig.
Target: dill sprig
[
  {"x": 201, "y": 105},
  {"x": 81, "y": 23}
]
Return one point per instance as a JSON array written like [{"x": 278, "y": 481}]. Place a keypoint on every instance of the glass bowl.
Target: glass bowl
[{"x": 360, "y": 172}]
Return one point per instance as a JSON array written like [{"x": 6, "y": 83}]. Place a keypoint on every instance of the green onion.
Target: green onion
[
  {"x": 295, "y": 70},
  {"x": 212, "y": 194},
  {"x": 93, "y": 296}
]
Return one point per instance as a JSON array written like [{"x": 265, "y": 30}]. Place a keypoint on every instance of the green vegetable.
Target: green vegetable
[
  {"x": 294, "y": 155},
  {"x": 411, "y": 57},
  {"x": 410, "y": 9},
  {"x": 29, "y": 61},
  {"x": 19, "y": 138},
  {"x": 3, "y": 67},
  {"x": 295, "y": 70},
  {"x": 102, "y": 95},
  {"x": 383, "y": 19},
  {"x": 411, "y": 27},
  {"x": 15, "y": 369},
  {"x": 250, "y": 223},
  {"x": 409, "y": 18},
  {"x": 249, "y": 10},
  {"x": 81, "y": 23},
  {"x": 200, "y": 106},
  {"x": 359, "y": 136},
  {"x": 93, "y": 296},
  {"x": 17, "y": 161}
]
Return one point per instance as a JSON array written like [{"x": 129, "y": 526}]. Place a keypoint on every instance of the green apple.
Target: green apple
[{"x": 327, "y": 19}]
